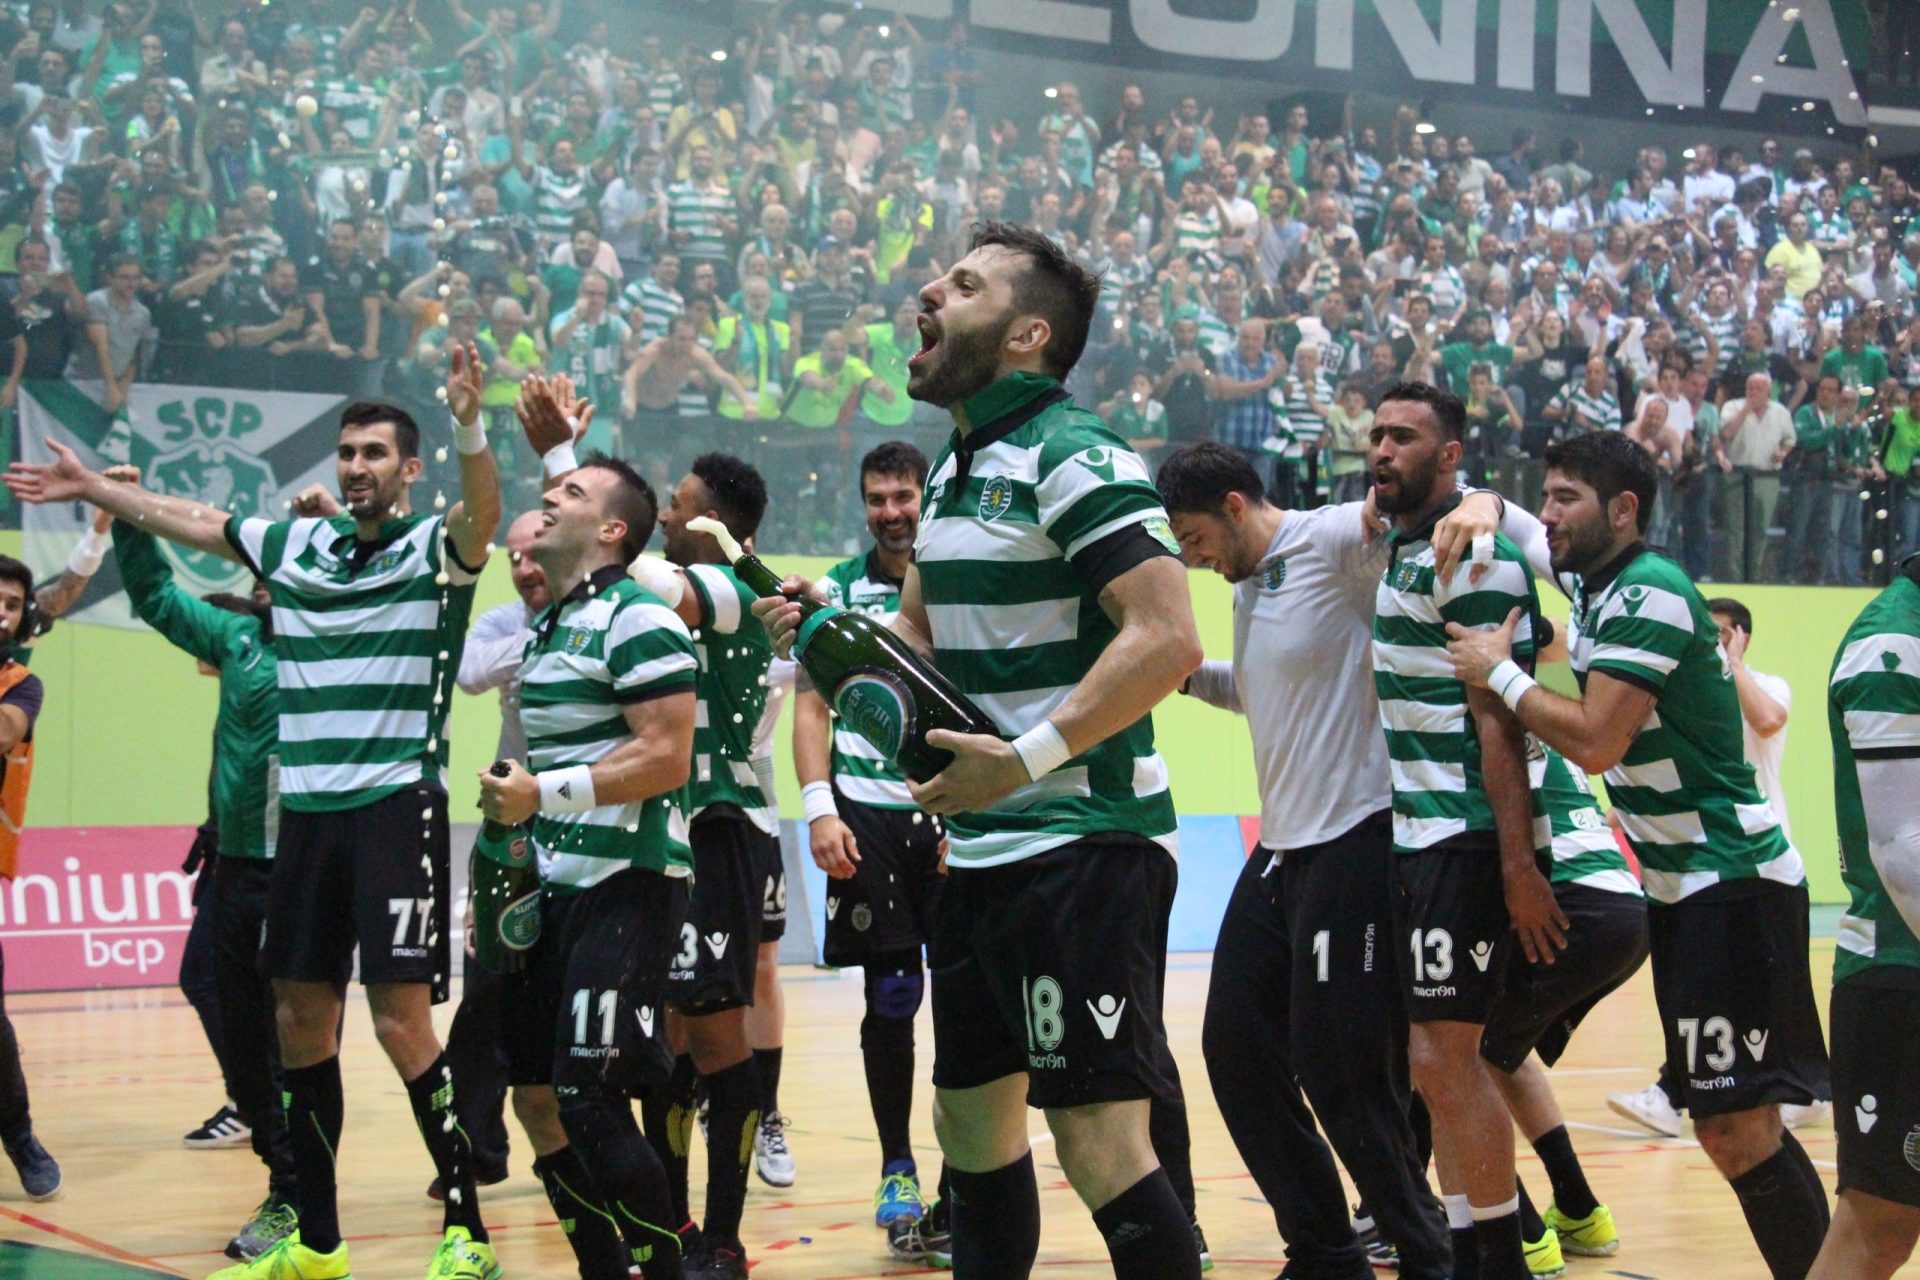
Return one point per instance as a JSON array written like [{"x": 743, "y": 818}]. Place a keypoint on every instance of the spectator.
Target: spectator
[
  {"x": 51, "y": 309},
  {"x": 828, "y": 384},
  {"x": 194, "y": 318},
  {"x": 348, "y": 303},
  {"x": 1756, "y": 433},
  {"x": 1349, "y": 426},
  {"x": 1183, "y": 384},
  {"x": 701, "y": 222},
  {"x": 1859, "y": 365},
  {"x": 589, "y": 342},
  {"x": 1245, "y": 372},
  {"x": 118, "y": 332},
  {"x": 758, "y": 350},
  {"x": 886, "y": 346}
]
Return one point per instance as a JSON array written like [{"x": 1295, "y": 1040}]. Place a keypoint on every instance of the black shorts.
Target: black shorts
[
  {"x": 373, "y": 877},
  {"x": 587, "y": 1010},
  {"x": 1876, "y": 1085},
  {"x": 1052, "y": 966},
  {"x": 1540, "y": 1005},
  {"x": 720, "y": 942},
  {"x": 773, "y": 888},
  {"x": 1451, "y": 915},
  {"x": 1736, "y": 999},
  {"x": 888, "y": 904}
]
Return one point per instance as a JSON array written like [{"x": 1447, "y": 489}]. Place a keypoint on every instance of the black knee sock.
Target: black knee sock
[
  {"x": 668, "y": 1113},
  {"x": 1571, "y": 1194},
  {"x": 767, "y": 1062},
  {"x": 886, "y": 1051},
  {"x": 733, "y": 1117},
  {"x": 940, "y": 1215},
  {"x": 1167, "y": 1129},
  {"x": 628, "y": 1174},
  {"x": 431, "y": 1094},
  {"x": 996, "y": 1221},
  {"x": 1466, "y": 1246},
  {"x": 1787, "y": 1217},
  {"x": 315, "y": 1114},
  {"x": 583, "y": 1217},
  {"x": 1532, "y": 1225},
  {"x": 1149, "y": 1236},
  {"x": 1804, "y": 1163},
  {"x": 1502, "y": 1254}
]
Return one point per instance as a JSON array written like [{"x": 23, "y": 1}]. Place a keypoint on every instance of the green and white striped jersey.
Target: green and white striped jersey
[
  {"x": 368, "y": 637},
  {"x": 608, "y": 645},
  {"x": 860, "y": 771},
  {"x": 1873, "y": 711},
  {"x": 1601, "y": 412},
  {"x": 1433, "y": 745},
  {"x": 1017, "y": 623},
  {"x": 734, "y": 654},
  {"x": 1569, "y": 827},
  {"x": 556, "y": 198},
  {"x": 1685, "y": 793},
  {"x": 697, "y": 209}
]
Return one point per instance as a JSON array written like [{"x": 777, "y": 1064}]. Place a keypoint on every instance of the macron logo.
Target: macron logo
[
  {"x": 1482, "y": 955},
  {"x": 1757, "y": 1044},
  {"x": 646, "y": 1021},
  {"x": 717, "y": 943},
  {"x": 1863, "y": 1114},
  {"x": 1106, "y": 1015},
  {"x": 833, "y": 907}
]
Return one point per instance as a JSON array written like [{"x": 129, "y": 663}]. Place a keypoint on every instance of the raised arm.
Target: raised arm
[
  {"x": 472, "y": 521},
  {"x": 56, "y": 597},
  {"x": 187, "y": 622},
  {"x": 192, "y": 524}
]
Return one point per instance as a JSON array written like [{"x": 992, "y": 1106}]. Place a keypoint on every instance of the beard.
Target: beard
[
  {"x": 1413, "y": 488},
  {"x": 1587, "y": 546},
  {"x": 892, "y": 544},
  {"x": 963, "y": 363}
]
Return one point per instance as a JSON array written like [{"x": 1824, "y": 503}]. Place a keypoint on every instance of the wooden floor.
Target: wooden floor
[{"x": 117, "y": 1078}]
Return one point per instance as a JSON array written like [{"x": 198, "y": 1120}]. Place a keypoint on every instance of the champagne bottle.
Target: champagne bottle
[
  {"x": 871, "y": 678},
  {"x": 506, "y": 894}
]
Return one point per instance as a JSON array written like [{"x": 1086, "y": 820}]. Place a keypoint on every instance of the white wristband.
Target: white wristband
[
  {"x": 816, "y": 802},
  {"x": 470, "y": 440},
  {"x": 1510, "y": 684},
  {"x": 659, "y": 577},
  {"x": 1042, "y": 750},
  {"x": 567, "y": 790},
  {"x": 559, "y": 460},
  {"x": 88, "y": 552}
]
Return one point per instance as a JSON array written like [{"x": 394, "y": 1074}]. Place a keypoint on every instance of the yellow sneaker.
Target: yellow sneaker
[
  {"x": 288, "y": 1259},
  {"x": 1543, "y": 1256},
  {"x": 461, "y": 1257},
  {"x": 1593, "y": 1236}
]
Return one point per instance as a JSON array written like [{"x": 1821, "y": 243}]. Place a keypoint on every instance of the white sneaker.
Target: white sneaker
[
  {"x": 1797, "y": 1117},
  {"x": 1648, "y": 1107},
  {"x": 771, "y": 1158}
]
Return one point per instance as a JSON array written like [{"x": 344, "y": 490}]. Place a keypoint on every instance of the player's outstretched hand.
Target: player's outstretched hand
[
  {"x": 985, "y": 769},
  {"x": 548, "y": 409},
  {"x": 62, "y": 480},
  {"x": 1476, "y": 653},
  {"x": 465, "y": 377},
  {"x": 833, "y": 847},
  {"x": 780, "y": 614},
  {"x": 1536, "y": 916},
  {"x": 510, "y": 798}
]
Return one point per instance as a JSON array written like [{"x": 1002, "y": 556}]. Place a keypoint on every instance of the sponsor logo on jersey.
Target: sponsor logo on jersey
[
  {"x": 877, "y": 706},
  {"x": 996, "y": 497}
]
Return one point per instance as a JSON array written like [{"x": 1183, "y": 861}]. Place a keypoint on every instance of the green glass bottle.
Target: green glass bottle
[
  {"x": 506, "y": 894},
  {"x": 870, "y": 677}
]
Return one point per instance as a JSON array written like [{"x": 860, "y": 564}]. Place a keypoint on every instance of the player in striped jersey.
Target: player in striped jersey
[
  {"x": 1658, "y": 714},
  {"x": 369, "y": 610},
  {"x": 1046, "y": 585},
  {"x": 1873, "y": 712},
  {"x": 607, "y": 703},
  {"x": 729, "y": 818},
  {"x": 1462, "y": 816},
  {"x": 881, "y": 853}
]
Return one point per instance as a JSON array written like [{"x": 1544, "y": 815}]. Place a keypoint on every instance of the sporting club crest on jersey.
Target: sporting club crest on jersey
[
  {"x": 387, "y": 561},
  {"x": 1161, "y": 532},
  {"x": 578, "y": 639},
  {"x": 1405, "y": 575},
  {"x": 996, "y": 497},
  {"x": 862, "y": 918},
  {"x": 1274, "y": 575},
  {"x": 1910, "y": 1147}
]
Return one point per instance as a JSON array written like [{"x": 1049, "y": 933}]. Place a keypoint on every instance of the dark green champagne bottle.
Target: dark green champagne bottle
[
  {"x": 506, "y": 894},
  {"x": 871, "y": 678}
]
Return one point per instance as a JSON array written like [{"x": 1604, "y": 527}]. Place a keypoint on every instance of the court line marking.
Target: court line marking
[{"x": 99, "y": 1246}]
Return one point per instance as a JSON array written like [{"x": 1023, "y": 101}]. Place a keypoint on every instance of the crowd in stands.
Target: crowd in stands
[{"x": 306, "y": 197}]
